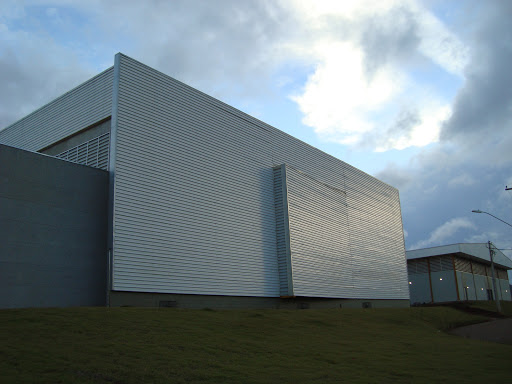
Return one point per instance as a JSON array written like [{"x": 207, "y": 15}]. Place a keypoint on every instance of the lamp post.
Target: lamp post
[
  {"x": 487, "y": 213},
  {"x": 491, "y": 254}
]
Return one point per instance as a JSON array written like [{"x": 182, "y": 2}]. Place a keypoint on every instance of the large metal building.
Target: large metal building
[
  {"x": 210, "y": 207},
  {"x": 457, "y": 272}
]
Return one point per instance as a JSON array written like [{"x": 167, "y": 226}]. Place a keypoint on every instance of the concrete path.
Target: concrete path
[{"x": 497, "y": 330}]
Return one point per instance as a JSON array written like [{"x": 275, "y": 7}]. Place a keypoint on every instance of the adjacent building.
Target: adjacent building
[
  {"x": 206, "y": 205},
  {"x": 457, "y": 272}
]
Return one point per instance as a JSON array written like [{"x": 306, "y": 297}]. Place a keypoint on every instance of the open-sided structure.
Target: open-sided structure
[
  {"x": 209, "y": 206},
  {"x": 457, "y": 272}
]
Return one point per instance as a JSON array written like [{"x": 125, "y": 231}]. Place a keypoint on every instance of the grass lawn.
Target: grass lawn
[
  {"x": 506, "y": 306},
  {"x": 134, "y": 345}
]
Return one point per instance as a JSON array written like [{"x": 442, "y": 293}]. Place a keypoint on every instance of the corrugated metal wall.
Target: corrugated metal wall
[
  {"x": 283, "y": 231},
  {"x": 77, "y": 109},
  {"x": 374, "y": 216},
  {"x": 194, "y": 199},
  {"x": 194, "y": 204},
  {"x": 320, "y": 239}
]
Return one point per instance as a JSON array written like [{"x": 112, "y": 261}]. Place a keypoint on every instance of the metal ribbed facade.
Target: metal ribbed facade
[
  {"x": 319, "y": 238},
  {"x": 283, "y": 232},
  {"x": 323, "y": 260},
  {"x": 194, "y": 203},
  {"x": 194, "y": 208},
  {"x": 377, "y": 249},
  {"x": 72, "y": 112}
]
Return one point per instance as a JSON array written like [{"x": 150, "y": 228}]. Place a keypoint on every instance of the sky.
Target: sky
[{"x": 415, "y": 93}]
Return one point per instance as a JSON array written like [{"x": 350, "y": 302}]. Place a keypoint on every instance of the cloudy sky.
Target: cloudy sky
[{"x": 416, "y": 93}]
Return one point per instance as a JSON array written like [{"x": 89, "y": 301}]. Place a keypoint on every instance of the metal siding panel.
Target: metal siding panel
[
  {"x": 77, "y": 109},
  {"x": 338, "y": 252},
  {"x": 319, "y": 237},
  {"x": 195, "y": 203},
  {"x": 280, "y": 236},
  {"x": 283, "y": 232},
  {"x": 374, "y": 219},
  {"x": 194, "y": 208}
]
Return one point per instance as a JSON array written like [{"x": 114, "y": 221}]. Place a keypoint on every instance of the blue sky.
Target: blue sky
[{"x": 416, "y": 93}]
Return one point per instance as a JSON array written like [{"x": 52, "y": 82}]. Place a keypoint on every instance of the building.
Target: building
[
  {"x": 207, "y": 206},
  {"x": 457, "y": 272}
]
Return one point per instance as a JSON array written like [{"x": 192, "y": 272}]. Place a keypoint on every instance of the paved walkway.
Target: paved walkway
[{"x": 497, "y": 330}]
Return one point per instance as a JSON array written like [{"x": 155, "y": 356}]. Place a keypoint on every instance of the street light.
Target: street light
[
  {"x": 487, "y": 213},
  {"x": 491, "y": 253}
]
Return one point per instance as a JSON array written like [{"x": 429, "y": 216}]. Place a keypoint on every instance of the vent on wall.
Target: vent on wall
[
  {"x": 167, "y": 304},
  {"x": 441, "y": 263},
  {"x": 94, "y": 153},
  {"x": 478, "y": 268},
  {"x": 462, "y": 265},
  {"x": 502, "y": 274},
  {"x": 417, "y": 266}
]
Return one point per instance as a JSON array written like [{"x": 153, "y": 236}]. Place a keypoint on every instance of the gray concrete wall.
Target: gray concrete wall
[
  {"x": 53, "y": 227},
  {"x": 142, "y": 299}
]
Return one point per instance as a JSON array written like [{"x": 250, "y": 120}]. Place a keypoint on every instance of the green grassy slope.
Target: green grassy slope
[
  {"x": 506, "y": 306},
  {"x": 133, "y": 345}
]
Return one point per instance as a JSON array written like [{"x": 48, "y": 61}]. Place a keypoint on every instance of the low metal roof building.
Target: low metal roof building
[{"x": 457, "y": 272}]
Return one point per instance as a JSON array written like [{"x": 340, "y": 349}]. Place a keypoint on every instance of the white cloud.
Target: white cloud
[
  {"x": 359, "y": 88},
  {"x": 350, "y": 9},
  {"x": 424, "y": 131},
  {"x": 483, "y": 237},
  {"x": 463, "y": 179},
  {"x": 439, "y": 44},
  {"x": 360, "y": 52},
  {"x": 34, "y": 69},
  {"x": 338, "y": 96},
  {"x": 444, "y": 232}
]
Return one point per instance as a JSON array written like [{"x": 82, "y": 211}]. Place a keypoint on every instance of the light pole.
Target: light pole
[
  {"x": 487, "y": 213},
  {"x": 491, "y": 254}
]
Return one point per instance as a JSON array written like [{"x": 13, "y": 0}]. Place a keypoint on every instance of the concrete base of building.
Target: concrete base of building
[{"x": 143, "y": 299}]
